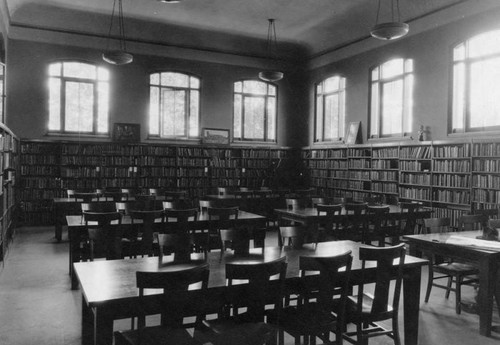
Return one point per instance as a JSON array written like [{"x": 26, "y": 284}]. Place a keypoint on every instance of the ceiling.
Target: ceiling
[{"x": 314, "y": 26}]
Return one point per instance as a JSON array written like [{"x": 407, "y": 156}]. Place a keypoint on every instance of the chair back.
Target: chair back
[
  {"x": 437, "y": 225},
  {"x": 205, "y": 204},
  {"x": 156, "y": 191},
  {"x": 97, "y": 206},
  {"x": 326, "y": 283},
  {"x": 222, "y": 191},
  {"x": 115, "y": 196},
  {"x": 408, "y": 219},
  {"x": 123, "y": 207},
  {"x": 174, "y": 195},
  {"x": 295, "y": 203},
  {"x": 172, "y": 282},
  {"x": 70, "y": 193},
  {"x": 265, "y": 286},
  {"x": 85, "y": 197},
  {"x": 145, "y": 202},
  {"x": 384, "y": 258},
  {"x": 130, "y": 192},
  {"x": 235, "y": 239},
  {"x": 105, "y": 238},
  {"x": 315, "y": 200},
  {"x": 293, "y": 236},
  {"x": 150, "y": 221},
  {"x": 378, "y": 225},
  {"x": 355, "y": 208},
  {"x": 331, "y": 222},
  {"x": 471, "y": 222}
]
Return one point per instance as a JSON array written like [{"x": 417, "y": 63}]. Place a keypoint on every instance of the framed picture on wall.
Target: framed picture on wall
[
  {"x": 127, "y": 132},
  {"x": 215, "y": 136},
  {"x": 353, "y": 135}
]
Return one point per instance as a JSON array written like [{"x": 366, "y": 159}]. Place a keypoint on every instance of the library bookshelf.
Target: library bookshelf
[
  {"x": 452, "y": 177},
  {"x": 49, "y": 168},
  {"x": 9, "y": 162}
]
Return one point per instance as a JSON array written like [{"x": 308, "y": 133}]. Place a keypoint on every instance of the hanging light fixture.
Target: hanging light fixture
[
  {"x": 272, "y": 47},
  {"x": 393, "y": 29},
  {"x": 119, "y": 56}
]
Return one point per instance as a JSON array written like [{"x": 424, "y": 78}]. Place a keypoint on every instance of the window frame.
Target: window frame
[
  {"x": 408, "y": 75},
  {"x": 266, "y": 97},
  {"x": 467, "y": 61},
  {"x": 95, "y": 92},
  {"x": 341, "y": 91},
  {"x": 187, "y": 106}
]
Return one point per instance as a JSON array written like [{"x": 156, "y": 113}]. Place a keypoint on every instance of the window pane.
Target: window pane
[
  {"x": 79, "y": 70},
  {"x": 484, "y": 93},
  {"x": 459, "y": 52},
  {"x": 253, "y": 127},
  {"x": 392, "y": 107},
  {"x": 331, "y": 116},
  {"x": 237, "y": 116},
  {"x": 255, "y": 87},
  {"x": 103, "y": 107},
  {"x": 271, "y": 118},
  {"x": 458, "y": 96},
  {"x": 174, "y": 79},
  {"x": 331, "y": 84},
  {"x": 392, "y": 68},
  {"x": 238, "y": 86},
  {"x": 103, "y": 74},
  {"x": 54, "y": 104},
  {"x": 154, "y": 110},
  {"x": 55, "y": 69},
  {"x": 154, "y": 79},
  {"x": 319, "y": 118},
  {"x": 375, "y": 74},
  {"x": 173, "y": 112},
  {"x": 272, "y": 90},
  {"x": 79, "y": 107},
  {"x": 484, "y": 44},
  {"x": 195, "y": 82},
  {"x": 408, "y": 104},
  {"x": 374, "y": 110},
  {"x": 194, "y": 114}
]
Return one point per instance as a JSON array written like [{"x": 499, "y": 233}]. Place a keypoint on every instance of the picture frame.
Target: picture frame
[
  {"x": 215, "y": 136},
  {"x": 127, "y": 132},
  {"x": 352, "y": 134}
]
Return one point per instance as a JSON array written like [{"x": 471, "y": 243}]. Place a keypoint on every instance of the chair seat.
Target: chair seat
[
  {"x": 155, "y": 336},
  {"x": 233, "y": 331},
  {"x": 304, "y": 318},
  {"x": 454, "y": 268},
  {"x": 353, "y": 312}
]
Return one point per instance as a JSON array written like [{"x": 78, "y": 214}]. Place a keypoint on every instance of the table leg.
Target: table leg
[
  {"x": 411, "y": 294},
  {"x": 58, "y": 222},
  {"x": 487, "y": 282},
  {"x": 87, "y": 324},
  {"x": 103, "y": 327}
]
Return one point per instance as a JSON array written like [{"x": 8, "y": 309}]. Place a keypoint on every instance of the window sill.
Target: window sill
[
  {"x": 391, "y": 139},
  {"x": 174, "y": 140},
  {"x": 251, "y": 142},
  {"x": 77, "y": 135},
  {"x": 485, "y": 134},
  {"x": 339, "y": 142}
]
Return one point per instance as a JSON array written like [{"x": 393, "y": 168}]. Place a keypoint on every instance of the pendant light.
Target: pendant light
[
  {"x": 272, "y": 47},
  {"x": 393, "y": 29},
  {"x": 118, "y": 56}
]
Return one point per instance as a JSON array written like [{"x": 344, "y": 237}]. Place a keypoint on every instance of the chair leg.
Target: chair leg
[
  {"x": 448, "y": 286},
  {"x": 395, "y": 330},
  {"x": 429, "y": 283},
  {"x": 458, "y": 294}
]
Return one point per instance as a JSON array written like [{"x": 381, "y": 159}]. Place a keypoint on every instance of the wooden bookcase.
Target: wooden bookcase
[
  {"x": 50, "y": 167},
  {"x": 9, "y": 200}
]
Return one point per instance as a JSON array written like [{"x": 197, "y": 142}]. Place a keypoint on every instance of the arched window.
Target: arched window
[
  {"x": 391, "y": 99},
  {"x": 475, "y": 84},
  {"x": 78, "y": 98},
  {"x": 330, "y": 109},
  {"x": 255, "y": 109},
  {"x": 174, "y": 105}
]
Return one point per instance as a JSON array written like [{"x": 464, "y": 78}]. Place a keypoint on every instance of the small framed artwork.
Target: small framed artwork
[
  {"x": 127, "y": 132},
  {"x": 215, "y": 136},
  {"x": 352, "y": 135}
]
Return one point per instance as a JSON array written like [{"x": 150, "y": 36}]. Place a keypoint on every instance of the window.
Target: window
[
  {"x": 2, "y": 92},
  {"x": 391, "y": 100},
  {"x": 174, "y": 105},
  {"x": 254, "y": 111},
  {"x": 78, "y": 98},
  {"x": 330, "y": 109},
  {"x": 476, "y": 72}
]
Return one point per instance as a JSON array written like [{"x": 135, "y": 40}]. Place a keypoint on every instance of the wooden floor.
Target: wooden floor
[{"x": 38, "y": 307}]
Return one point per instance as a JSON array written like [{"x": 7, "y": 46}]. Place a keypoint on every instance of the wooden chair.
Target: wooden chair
[
  {"x": 180, "y": 204},
  {"x": 315, "y": 200},
  {"x": 115, "y": 195},
  {"x": 172, "y": 331},
  {"x": 156, "y": 191},
  {"x": 365, "y": 310},
  {"x": 146, "y": 222},
  {"x": 265, "y": 281},
  {"x": 354, "y": 223},
  {"x": 145, "y": 202},
  {"x": 85, "y": 197},
  {"x": 237, "y": 239},
  {"x": 130, "y": 192},
  {"x": 331, "y": 225},
  {"x": 293, "y": 236},
  {"x": 220, "y": 218},
  {"x": 408, "y": 220},
  {"x": 471, "y": 222},
  {"x": 124, "y": 207},
  {"x": 317, "y": 313},
  {"x": 295, "y": 203},
  {"x": 205, "y": 204},
  {"x": 453, "y": 272},
  {"x": 105, "y": 239},
  {"x": 177, "y": 222},
  {"x": 378, "y": 225},
  {"x": 221, "y": 191}
]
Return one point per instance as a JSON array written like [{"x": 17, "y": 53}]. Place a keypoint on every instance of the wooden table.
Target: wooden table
[
  {"x": 76, "y": 228},
  {"x": 310, "y": 218},
  {"x": 71, "y": 206},
  {"x": 486, "y": 260},
  {"x": 109, "y": 287}
]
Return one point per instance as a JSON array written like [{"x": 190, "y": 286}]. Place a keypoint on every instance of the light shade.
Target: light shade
[
  {"x": 117, "y": 57},
  {"x": 390, "y": 30},
  {"x": 270, "y": 75}
]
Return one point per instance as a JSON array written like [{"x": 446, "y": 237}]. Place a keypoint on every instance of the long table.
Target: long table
[
  {"x": 76, "y": 227},
  {"x": 109, "y": 287},
  {"x": 487, "y": 261},
  {"x": 310, "y": 218}
]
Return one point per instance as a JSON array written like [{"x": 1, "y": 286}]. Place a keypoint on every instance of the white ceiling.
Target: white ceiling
[{"x": 315, "y": 26}]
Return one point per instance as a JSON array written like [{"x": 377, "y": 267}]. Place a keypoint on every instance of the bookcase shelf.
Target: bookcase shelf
[{"x": 50, "y": 167}]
